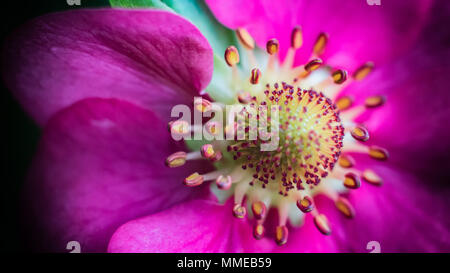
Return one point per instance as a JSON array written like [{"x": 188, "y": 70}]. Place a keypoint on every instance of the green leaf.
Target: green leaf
[{"x": 139, "y": 4}]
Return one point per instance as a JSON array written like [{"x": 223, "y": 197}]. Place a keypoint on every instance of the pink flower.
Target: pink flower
[{"x": 101, "y": 83}]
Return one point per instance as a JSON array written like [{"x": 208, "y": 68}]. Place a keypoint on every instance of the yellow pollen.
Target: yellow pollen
[
  {"x": 378, "y": 153},
  {"x": 193, "y": 180},
  {"x": 363, "y": 71},
  {"x": 313, "y": 65},
  {"x": 322, "y": 224},
  {"x": 352, "y": 181},
  {"x": 346, "y": 161},
  {"x": 339, "y": 76},
  {"x": 281, "y": 235},
  {"x": 239, "y": 211},
  {"x": 372, "y": 177},
  {"x": 272, "y": 46},
  {"x": 245, "y": 38},
  {"x": 296, "y": 38},
  {"x": 207, "y": 151},
  {"x": 202, "y": 105},
  {"x": 232, "y": 56},
  {"x": 259, "y": 210},
  {"x": 258, "y": 231},
  {"x": 179, "y": 127},
  {"x": 321, "y": 43},
  {"x": 345, "y": 207},
  {"x": 255, "y": 75},
  {"x": 375, "y": 101},
  {"x": 305, "y": 204},
  {"x": 360, "y": 133},
  {"x": 176, "y": 159},
  {"x": 344, "y": 103}
]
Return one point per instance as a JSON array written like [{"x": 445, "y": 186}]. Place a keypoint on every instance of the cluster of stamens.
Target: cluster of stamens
[
  {"x": 312, "y": 144},
  {"x": 310, "y": 140}
]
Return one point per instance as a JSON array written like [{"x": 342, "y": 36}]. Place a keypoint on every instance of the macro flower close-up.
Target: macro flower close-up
[{"x": 340, "y": 142}]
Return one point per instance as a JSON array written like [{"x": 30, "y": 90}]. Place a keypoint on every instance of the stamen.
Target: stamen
[
  {"x": 363, "y": 71},
  {"x": 321, "y": 222},
  {"x": 193, "y": 180},
  {"x": 239, "y": 211},
  {"x": 245, "y": 38},
  {"x": 255, "y": 75},
  {"x": 258, "y": 231},
  {"x": 360, "y": 133},
  {"x": 352, "y": 181},
  {"x": 259, "y": 210},
  {"x": 296, "y": 43},
  {"x": 213, "y": 128},
  {"x": 232, "y": 56},
  {"x": 202, "y": 105},
  {"x": 224, "y": 182},
  {"x": 179, "y": 127},
  {"x": 321, "y": 43},
  {"x": 346, "y": 161},
  {"x": 176, "y": 159},
  {"x": 378, "y": 153},
  {"x": 375, "y": 101},
  {"x": 307, "y": 145},
  {"x": 207, "y": 151},
  {"x": 281, "y": 235},
  {"x": 343, "y": 103},
  {"x": 272, "y": 46},
  {"x": 345, "y": 207},
  {"x": 372, "y": 177},
  {"x": 296, "y": 38},
  {"x": 313, "y": 65},
  {"x": 306, "y": 204},
  {"x": 244, "y": 97},
  {"x": 339, "y": 76}
]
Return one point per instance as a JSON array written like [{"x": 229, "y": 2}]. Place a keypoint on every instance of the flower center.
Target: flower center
[
  {"x": 301, "y": 149},
  {"x": 309, "y": 141}
]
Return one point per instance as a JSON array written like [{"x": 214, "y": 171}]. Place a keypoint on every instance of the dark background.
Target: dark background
[{"x": 20, "y": 134}]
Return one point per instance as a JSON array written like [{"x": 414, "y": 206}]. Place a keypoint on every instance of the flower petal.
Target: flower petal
[
  {"x": 100, "y": 163},
  {"x": 402, "y": 215},
  {"x": 58, "y": 59},
  {"x": 308, "y": 239},
  {"x": 197, "y": 226},
  {"x": 412, "y": 124},
  {"x": 358, "y": 32}
]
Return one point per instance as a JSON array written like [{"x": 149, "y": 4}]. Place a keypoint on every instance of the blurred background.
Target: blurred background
[{"x": 20, "y": 133}]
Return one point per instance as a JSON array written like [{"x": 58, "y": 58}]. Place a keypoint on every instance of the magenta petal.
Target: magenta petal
[
  {"x": 148, "y": 57},
  {"x": 196, "y": 226},
  {"x": 358, "y": 32},
  {"x": 413, "y": 123},
  {"x": 308, "y": 239},
  {"x": 403, "y": 215},
  {"x": 100, "y": 163}
]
